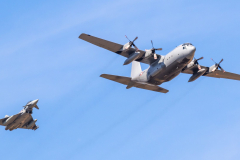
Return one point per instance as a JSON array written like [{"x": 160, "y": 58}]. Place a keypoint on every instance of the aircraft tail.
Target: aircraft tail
[{"x": 136, "y": 69}]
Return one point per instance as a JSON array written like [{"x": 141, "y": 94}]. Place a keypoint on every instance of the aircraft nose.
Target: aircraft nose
[
  {"x": 190, "y": 54},
  {"x": 35, "y": 101},
  {"x": 193, "y": 48}
]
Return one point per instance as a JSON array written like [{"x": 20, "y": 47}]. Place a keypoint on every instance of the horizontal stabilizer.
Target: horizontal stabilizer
[
  {"x": 127, "y": 80},
  {"x": 119, "y": 79},
  {"x": 150, "y": 87}
]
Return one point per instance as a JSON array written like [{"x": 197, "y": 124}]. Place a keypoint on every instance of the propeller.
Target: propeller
[
  {"x": 218, "y": 65},
  {"x": 155, "y": 49},
  {"x": 196, "y": 62},
  {"x": 131, "y": 43}
]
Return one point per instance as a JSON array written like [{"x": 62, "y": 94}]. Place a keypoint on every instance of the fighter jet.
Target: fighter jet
[
  {"x": 161, "y": 68},
  {"x": 21, "y": 120}
]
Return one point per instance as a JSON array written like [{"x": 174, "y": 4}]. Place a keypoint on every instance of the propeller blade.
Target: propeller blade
[
  {"x": 135, "y": 39},
  {"x": 199, "y": 58},
  {"x": 221, "y": 68},
  {"x": 135, "y": 46},
  {"x": 154, "y": 49},
  {"x": 196, "y": 61},
  {"x": 213, "y": 60},
  {"x": 220, "y": 61},
  {"x": 131, "y": 43},
  {"x": 127, "y": 38}
]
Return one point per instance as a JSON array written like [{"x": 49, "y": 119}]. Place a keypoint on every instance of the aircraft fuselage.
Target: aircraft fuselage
[{"x": 169, "y": 66}]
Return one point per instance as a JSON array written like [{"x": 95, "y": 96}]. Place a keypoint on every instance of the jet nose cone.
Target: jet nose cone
[{"x": 35, "y": 101}]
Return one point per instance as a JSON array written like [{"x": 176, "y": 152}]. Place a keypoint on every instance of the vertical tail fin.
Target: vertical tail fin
[{"x": 136, "y": 69}]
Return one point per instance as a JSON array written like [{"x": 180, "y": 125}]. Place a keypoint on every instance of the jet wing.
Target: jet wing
[
  {"x": 10, "y": 121},
  {"x": 116, "y": 48},
  {"x": 2, "y": 120},
  {"x": 31, "y": 122},
  {"x": 216, "y": 74},
  {"x": 29, "y": 119},
  {"x": 126, "y": 80}
]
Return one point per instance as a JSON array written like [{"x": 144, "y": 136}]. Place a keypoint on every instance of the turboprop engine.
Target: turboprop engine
[
  {"x": 214, "y": 67},
  {"x": 152, "y": 51},
  {"x": 130, "y": 44},
  {"x": 134, "y": 55},
  {"x": 194, "y": 62}
]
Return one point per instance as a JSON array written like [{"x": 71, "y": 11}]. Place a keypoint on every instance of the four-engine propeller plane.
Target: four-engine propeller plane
[
  {"x": 23, "y": 119},
  {"x": 162, "y": 68}
]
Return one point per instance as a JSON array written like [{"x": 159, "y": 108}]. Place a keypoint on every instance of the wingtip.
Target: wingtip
[
  {"x": 102, "y": 75},
  {"x": 82, "y": 35}
]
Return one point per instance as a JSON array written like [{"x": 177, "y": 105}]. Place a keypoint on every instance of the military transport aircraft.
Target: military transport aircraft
[
  {"x": 21, "y": 120},
  {"x": 162, "y": 68}
]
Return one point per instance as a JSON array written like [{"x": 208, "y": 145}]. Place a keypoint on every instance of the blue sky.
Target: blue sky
[{"x": 83, "y": 116}]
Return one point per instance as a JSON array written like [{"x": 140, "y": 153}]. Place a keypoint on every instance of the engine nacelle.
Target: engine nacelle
[
  {"x": 197, "y": 75},
  {"x": 126, "y": 46},
  {"x": 213, "y": 68},
  {"x": 31, "y": 124},
  {"x": 190, "y": 65}
]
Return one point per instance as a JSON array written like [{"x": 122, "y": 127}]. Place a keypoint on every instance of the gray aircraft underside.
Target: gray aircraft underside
[
  {"x": 161, "y": 68},
  {"x": 21, "y": 120}
]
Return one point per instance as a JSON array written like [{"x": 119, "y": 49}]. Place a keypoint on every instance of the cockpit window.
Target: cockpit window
[{"x": 187, "y": 44}]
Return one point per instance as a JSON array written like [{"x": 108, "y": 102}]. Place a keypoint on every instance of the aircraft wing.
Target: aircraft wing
[
  {"x": 116, "y": 48},
  {"x": 12, "y": 119},
  {"x": 28, "y": 122},
  {"x": 2, "y": 120},
  {"x": 126, "y": 80},
  {"x": 216, "y": 74},
  {"x": 227, "y": 75},
  {"x": 29, "y": 119}
]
